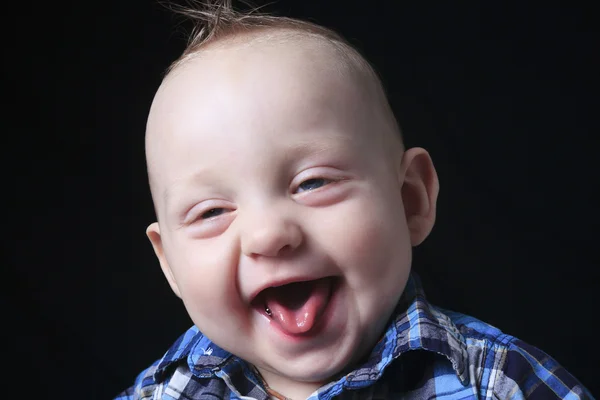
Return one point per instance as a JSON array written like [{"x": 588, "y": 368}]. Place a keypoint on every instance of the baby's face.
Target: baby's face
[{"x": 271, "y": 169}]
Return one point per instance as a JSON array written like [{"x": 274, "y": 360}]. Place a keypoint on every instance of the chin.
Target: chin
[{"x": 314, "y": 368}]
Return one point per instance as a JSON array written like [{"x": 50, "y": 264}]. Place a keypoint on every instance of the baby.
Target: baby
[{"x": 287, "y": 208}]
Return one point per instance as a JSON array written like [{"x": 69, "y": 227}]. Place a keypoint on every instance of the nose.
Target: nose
[{"x": 270, "y": 234}]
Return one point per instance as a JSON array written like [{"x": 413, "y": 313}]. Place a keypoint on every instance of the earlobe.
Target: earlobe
[
  {"x": 153, "y": 233},
  {"x": 420, "y": 187}
]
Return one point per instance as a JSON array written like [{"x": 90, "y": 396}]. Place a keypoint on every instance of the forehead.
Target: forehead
[{"x": 293, "y": 68}]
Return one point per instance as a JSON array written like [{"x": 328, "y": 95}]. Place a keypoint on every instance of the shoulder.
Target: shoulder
[
  {"x": 144, "y": 386},
  {"x": 152, "y": 380},
  {"x": 506, "y": 367}
]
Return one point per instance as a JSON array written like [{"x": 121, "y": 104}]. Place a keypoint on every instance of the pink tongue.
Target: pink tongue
[{"x": 297, "y": 306}]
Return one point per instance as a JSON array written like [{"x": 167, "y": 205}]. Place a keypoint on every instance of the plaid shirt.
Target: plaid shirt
[{"x": 426, "y": 353}]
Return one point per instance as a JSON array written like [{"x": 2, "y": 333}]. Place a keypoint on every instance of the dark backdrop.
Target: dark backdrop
[{"x": 503, "y": 96}]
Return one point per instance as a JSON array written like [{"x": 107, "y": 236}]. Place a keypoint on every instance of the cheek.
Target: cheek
[
  {"x": 205, "y": 274},
  {"x": 372, "y": 249},
  {"x": 368, "y": 239}
]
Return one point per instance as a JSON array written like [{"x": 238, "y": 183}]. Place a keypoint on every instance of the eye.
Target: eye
[
  {"x": 312, "y": 184},
  {"x": 208, "y": 218},
  {"x": 213, "y": 212}
]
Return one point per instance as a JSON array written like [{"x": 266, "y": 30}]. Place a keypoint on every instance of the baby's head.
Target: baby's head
[{"x": 287, "y": 206}]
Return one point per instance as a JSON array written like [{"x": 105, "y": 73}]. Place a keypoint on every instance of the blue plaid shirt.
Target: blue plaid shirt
[{"x": 426, "y": 353}]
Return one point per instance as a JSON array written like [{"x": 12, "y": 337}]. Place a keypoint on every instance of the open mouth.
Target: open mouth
[{"x": 296, "y": 307}]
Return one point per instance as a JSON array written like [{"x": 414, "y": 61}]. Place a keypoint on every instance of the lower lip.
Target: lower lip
[{"x": 323, "y": 322}]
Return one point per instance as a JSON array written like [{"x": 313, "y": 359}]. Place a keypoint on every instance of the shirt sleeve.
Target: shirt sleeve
[
  {"x": 144, "y": 386},
  {"x": 526, "y": 372},
  {"x": 126, "y": 395}
]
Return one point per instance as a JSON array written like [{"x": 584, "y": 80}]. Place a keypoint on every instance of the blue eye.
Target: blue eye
[
  {"x": 312, "y": 184},
  {"x": 213, "y": 212}
]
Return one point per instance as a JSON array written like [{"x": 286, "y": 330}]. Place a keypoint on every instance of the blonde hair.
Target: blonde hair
[{"x": 215, "y": 20}]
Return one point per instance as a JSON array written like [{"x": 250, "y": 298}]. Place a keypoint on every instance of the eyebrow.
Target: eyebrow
[
  {"x": 194, "y": 177},
  {"x": 298, "y": 149}
]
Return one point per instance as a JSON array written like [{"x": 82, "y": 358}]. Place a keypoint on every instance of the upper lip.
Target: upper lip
[{"x": 280, "y": 282}]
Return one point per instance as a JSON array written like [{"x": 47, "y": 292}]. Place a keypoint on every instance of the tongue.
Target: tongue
[{"x": 297, "y": 306}]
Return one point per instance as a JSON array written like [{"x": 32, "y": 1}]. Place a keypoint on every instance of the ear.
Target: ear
[
  {"x": 153, "y": 233},
  {"x": 420, "y": 187}
]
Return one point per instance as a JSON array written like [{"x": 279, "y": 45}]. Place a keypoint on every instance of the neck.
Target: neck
[{"x": 282, "y": 388}]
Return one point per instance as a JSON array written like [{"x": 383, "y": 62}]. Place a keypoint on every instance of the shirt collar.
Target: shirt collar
[{"x": 417, "y": 325}]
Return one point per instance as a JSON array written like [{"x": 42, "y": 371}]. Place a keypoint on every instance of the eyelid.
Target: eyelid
[
  {"x": 327, "y": 173},
  {"x": 199, "y": 209}
]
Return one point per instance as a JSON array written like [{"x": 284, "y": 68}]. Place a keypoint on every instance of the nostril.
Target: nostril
[
  {"x": 285, "y": 249},
  {"x": 288, "y": 250}
]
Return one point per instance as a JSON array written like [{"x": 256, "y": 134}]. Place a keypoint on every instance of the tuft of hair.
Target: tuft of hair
[{"x": 215, "y": 20}]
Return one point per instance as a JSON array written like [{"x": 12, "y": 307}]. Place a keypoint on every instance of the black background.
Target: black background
[{"x": 503, "y": 95}]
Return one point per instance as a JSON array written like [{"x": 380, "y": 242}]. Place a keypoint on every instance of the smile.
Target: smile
[{"x": 296, "y": 308}]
